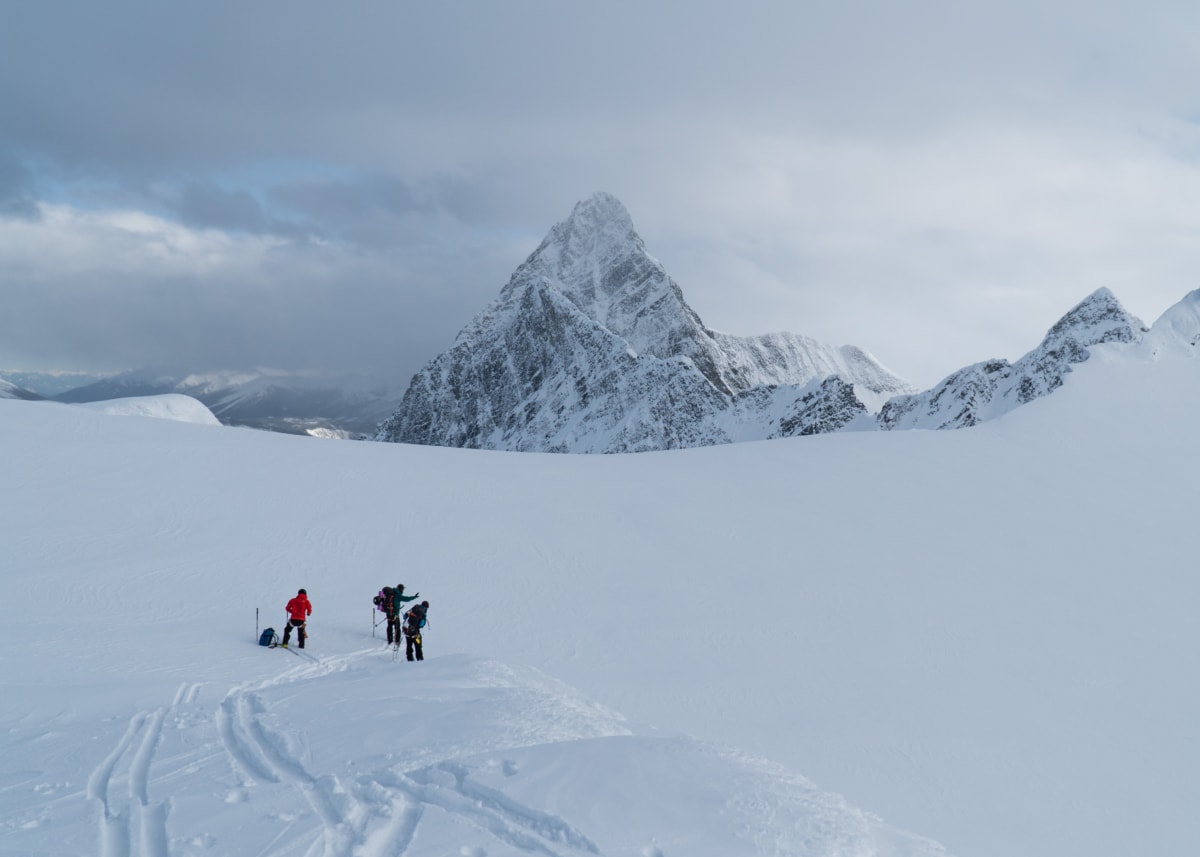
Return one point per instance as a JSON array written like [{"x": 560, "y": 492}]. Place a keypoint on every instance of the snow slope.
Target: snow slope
[{"x": 984, "y": 636}]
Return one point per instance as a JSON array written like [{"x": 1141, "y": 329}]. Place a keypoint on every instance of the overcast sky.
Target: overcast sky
[{"x": 313, "y": 185}]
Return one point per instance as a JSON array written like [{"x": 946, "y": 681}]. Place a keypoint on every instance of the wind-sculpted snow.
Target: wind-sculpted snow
[
  {"x": 591, "y": 347},
  {"x": 989, "y": 389}
]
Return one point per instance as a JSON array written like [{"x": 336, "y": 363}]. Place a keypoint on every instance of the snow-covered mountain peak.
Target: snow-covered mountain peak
[
  {"x": 598, "y": 261},
  {"x": 598, "y": 230},
  {"x": 600, "y": 213},
  {"x": 591, "y": 347},
  {"x": 1098, "y": 318}
]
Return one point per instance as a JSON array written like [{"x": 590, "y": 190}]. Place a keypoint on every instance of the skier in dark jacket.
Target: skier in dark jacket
[
  {"x": 413, "y": 620},
  {"x": 298, "y": 610},
  {"x": 392, "y": 599}
]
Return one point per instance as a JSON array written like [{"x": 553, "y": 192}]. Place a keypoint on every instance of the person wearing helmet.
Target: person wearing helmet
[
  {"x": 298, "y": 611},
  {"x": 414, "y": 621}
]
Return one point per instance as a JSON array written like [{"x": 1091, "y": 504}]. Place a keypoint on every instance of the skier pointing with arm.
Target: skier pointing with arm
[{"x": 298, "y": 610}]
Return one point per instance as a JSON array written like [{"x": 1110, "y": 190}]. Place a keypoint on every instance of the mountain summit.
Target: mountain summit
[{"x": 591, "y": 347}]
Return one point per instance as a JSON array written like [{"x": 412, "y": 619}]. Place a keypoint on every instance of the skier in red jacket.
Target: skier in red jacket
[{"x": 298, "y": 610}]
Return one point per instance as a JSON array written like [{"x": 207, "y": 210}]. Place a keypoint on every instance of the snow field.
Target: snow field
[{"x": 983, "y": 636}]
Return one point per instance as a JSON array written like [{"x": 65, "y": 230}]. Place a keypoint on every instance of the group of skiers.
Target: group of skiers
[{"x": 389, "y": 601}]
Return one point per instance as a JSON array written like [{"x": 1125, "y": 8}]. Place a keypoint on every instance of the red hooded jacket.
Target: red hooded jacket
[{"x": 299, "y": 609}]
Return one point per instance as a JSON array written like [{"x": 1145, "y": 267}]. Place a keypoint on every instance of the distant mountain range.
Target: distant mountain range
[
  {"x": 591, "y": 348},
  {"x": 9, "y": 390},
  {"x": 293, "y": 402},
  {"x": 46, "y": 385}
]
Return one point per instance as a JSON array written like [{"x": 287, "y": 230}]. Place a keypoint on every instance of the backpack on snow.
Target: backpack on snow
[{"x": 268, "y": 638}]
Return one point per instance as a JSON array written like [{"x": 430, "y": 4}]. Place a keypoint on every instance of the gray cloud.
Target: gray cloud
[
  {"x": 206, "y": 204},
  {"x": 933, "y": 181},
  {"x": 17, "y": 195}
]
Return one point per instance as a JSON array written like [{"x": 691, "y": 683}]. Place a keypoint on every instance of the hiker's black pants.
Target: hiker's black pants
[
  {"x": 287, "y": 631},
  {"x": 412, "y": 643},
  {"x": 393, "y": 626}
]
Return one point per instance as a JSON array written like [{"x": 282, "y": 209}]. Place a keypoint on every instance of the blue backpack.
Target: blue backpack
[{"x": 268, "y": 638}]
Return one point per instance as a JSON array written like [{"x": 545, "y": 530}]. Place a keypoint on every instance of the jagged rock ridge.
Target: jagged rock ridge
[
  {"x": 591, "y": 347},
  {"x": 986, "y": 390}
]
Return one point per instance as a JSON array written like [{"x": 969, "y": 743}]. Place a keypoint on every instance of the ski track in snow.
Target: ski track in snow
[
  {"x": 376, "y": 814},
  {"x": 447, "y": 786},
  {"x": 119, "y": 821},
  {"x": 231, "y": 716}
]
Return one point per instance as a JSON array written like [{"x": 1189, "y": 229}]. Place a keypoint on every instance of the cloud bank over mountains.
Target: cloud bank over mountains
[{"x": 274, "y": 178}]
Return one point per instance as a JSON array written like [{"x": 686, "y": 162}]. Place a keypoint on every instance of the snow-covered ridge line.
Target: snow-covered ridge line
[
  {"x": 992, "y": 388},
  {"x": 988, "y": 389}
]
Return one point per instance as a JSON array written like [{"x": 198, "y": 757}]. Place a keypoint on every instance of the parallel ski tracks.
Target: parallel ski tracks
[
  {"x": 379, "y": 814},
  {"x": 376, "y": 814},
  {"x": 133, "y": 824}
]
